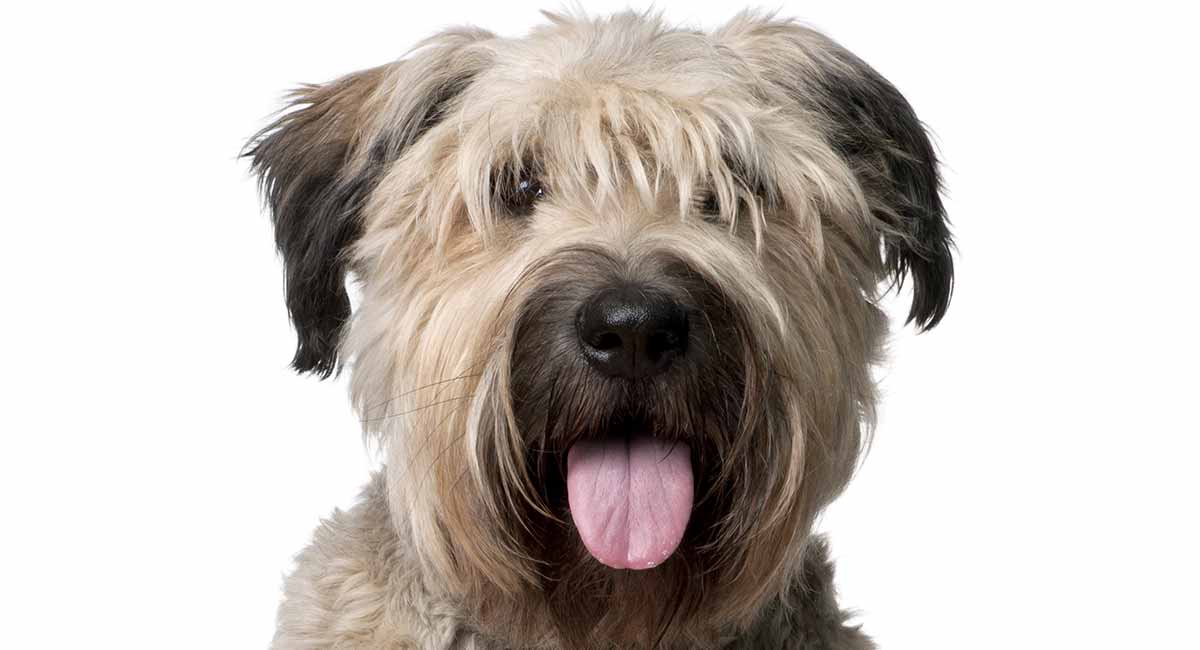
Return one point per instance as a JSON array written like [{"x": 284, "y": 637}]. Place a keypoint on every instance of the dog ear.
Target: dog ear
[
  {"x": 876, "y": 130},
  {"x": 318, "y": 163}
]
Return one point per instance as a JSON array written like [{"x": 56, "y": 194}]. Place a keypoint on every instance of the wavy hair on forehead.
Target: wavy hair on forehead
[
  {"x": 595, "y": 135},
  {"x": 595, "y": 143}
]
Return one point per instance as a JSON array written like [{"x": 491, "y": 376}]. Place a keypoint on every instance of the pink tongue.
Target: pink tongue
[{"x": 630, "y": 499}]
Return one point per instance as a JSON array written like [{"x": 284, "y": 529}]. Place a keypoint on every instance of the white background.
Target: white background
[{"x": 1033, "y": 481}]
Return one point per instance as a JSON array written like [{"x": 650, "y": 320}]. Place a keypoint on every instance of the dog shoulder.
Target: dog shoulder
[
  {"x": 808, "y": 617},
  {"x": 358, "y": 585}
]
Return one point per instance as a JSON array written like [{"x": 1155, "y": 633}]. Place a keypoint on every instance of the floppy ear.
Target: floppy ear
[
  {"x": 318, "y": 163},
  {"x": 875, "y": 129}
]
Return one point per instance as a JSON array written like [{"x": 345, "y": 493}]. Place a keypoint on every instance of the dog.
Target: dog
[{"x": 619, "y": 302}]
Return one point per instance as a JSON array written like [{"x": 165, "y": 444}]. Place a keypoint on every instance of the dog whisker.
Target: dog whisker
[
  {"x": 416, "y": 410},
  {"x": 418, "y": 389}
]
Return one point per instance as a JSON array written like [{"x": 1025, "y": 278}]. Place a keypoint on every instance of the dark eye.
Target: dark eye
[
  {"x": 523, "y": 195},
  {"x": 710, "y": 207}
]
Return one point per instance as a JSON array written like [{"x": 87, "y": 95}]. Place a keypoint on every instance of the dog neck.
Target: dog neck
[{"x": 365, "y": 557}]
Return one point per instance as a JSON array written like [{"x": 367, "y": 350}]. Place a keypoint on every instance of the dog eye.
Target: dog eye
[
  {"x": 709, "y": 207},
  {"x": 523, "y": 195}
]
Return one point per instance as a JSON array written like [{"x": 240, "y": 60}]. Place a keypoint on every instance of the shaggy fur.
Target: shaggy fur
[{"x": 479, "y": 190}]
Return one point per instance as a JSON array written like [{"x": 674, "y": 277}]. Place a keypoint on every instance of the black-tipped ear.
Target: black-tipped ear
[
  {"x": 875, "y": 129},
  {"x": 320, "y": 161},
  {"x": 302, "y": 162},
  {"x": 892, "y": 154}
]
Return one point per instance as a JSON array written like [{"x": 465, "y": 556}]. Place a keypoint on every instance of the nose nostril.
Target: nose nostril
[
  {"x": 607, "y": 341},
  {"x": 631, "y": 332},
  {"x": 661, "y": 343}
]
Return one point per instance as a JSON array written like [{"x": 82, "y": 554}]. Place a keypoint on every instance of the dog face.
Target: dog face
[{"x": 618, "y": 307}]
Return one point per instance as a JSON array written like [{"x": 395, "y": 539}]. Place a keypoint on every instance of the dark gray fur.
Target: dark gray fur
[{"x": 302, "y": 161}]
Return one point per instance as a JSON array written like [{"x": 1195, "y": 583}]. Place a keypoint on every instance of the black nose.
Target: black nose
[{"x": 630, "y": 332}]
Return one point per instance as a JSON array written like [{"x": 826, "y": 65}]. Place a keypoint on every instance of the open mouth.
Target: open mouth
[{"x": 630, "y": 496}]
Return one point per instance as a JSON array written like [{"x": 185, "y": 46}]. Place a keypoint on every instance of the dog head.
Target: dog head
[{"x": 619, "y": 303}]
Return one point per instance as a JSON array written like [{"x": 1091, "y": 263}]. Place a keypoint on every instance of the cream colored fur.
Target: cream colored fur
[{"x": 629, "y": 123}]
